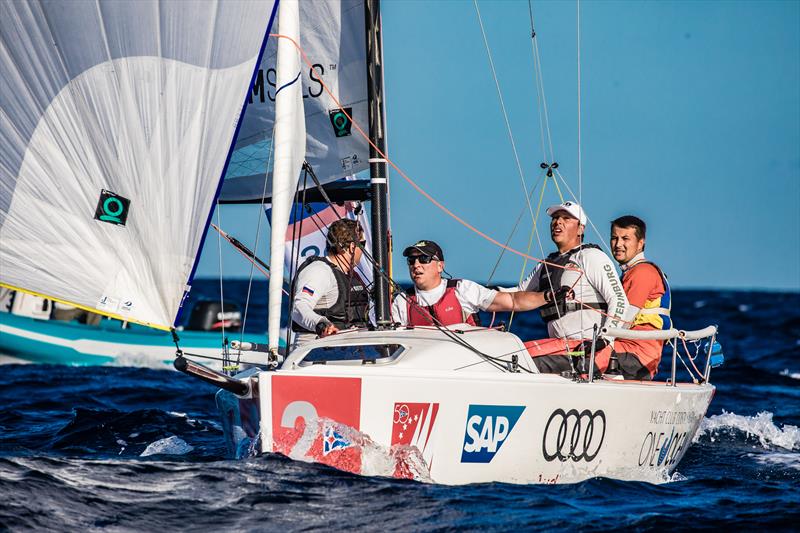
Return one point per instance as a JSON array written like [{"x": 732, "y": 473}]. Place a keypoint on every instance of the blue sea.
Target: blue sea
[{"x": 141, "y": 449}]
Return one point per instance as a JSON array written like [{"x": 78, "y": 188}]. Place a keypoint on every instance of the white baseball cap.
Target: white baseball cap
[{"x": 573, "y": 208}]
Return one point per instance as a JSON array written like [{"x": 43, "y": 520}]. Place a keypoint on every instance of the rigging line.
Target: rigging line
[
  {"x": 513, "y": 230},
  {"x": 398, "y": 289},
  {"x": 530, "y": 242},
  {"x": 503, "y": 108},
  {"x": 689, "y": 355},
  {"x": 599, "y": 235},
  {"x": 221, "y": 291},
  {"x": 330, "y": 203},
  {"x": 247, "y": 254},
  {"x": 580, "y": 159},
  {"x": 297, "y": 234},
  {"x": 580, "y": 162},
  {"x": 546, "y": 266},
  {"x": 258, "y": 233},
  {"x": 212, "y": 358},
  {"x": 536, "y": 80},
  {"x": 403, "y": 174},
  {"x": 541, "y": 97}
]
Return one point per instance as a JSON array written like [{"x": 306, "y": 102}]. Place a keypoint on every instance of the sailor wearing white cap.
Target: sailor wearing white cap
[{"x": 599, "y": 298}]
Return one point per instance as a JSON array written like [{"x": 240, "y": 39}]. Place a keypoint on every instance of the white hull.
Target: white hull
[{"x": 476, "y": 424}]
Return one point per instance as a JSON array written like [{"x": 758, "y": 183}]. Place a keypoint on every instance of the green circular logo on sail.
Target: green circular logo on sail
[
  {"x": 112, "y": 208},
  {"x": 341, "y": 124}
]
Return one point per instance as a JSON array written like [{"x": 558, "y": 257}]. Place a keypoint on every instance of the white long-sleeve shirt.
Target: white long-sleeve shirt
[{"x": 597, "y": 281}]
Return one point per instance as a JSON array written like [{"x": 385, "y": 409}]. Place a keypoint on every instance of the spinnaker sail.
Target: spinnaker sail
[
  {"x": 332, "y": 37},
  {"x": 115, "y": 125}
]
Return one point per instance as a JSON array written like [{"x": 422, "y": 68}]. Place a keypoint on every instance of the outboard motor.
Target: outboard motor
[{"x": 208, "y": 315}]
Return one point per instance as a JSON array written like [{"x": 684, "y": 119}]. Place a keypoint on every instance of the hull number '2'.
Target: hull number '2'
[{"x": 574, "y": 435}]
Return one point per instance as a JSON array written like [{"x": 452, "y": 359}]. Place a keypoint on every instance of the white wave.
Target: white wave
[
  {"x": 788, "y": 460},
  {"x": 170, "y": 446},
  {"x": 376, "y": 460},
  {"x": 793, "y": 375},
  {"x": 759, "y": 426}
]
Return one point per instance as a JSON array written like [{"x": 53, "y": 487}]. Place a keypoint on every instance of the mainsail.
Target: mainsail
[
  {"x": 332, "y": 37},
  {"x": 115, "y": 124}
]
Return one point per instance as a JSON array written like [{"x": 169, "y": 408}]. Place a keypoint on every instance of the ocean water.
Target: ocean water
[{"x": 124, "y": 449}]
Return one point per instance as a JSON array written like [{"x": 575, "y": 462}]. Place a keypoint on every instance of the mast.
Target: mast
[{"x": 377, "y": 168}]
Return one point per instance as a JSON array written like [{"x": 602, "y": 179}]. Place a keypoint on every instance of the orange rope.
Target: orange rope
[
  {"x": 409, "y": 180},
  {"x": 422, "y": 191}
]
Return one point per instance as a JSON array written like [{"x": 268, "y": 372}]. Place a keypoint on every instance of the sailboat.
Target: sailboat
[
  {"x": 119, "y": 120},
  {"x": 451, "y": 405}
]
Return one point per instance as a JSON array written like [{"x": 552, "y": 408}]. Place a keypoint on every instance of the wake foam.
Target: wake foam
[
  {"x": 793, "y": 375},
  {"x": 760, "y": 427},
  {"x": 784, "y": 460},
  {"x": 348, "y": 449}
]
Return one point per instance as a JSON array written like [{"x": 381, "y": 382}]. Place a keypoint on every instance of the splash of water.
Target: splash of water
[
  {"x": 400, "y": 461},
  {"x": 793, "y": 375},
  {"x": 760, "y": 426},
  {"x": 169, "y": 446}
]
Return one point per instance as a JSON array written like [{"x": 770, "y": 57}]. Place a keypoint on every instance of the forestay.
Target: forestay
[
  {"x": 115, "y": 125},
  {"x": 333, "y": 38}
]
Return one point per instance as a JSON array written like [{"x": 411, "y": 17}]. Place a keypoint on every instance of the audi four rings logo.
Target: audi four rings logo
[{"x": 574, "y": 435}]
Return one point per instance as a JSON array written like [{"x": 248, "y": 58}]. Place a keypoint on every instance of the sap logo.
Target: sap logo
[{"x": 488, "y": 427}]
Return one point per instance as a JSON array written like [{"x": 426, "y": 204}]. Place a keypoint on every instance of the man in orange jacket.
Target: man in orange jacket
[{"x": 649, "y": 295}]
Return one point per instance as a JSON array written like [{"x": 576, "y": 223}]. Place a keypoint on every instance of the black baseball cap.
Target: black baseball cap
[{"x": 424, "y": 248}]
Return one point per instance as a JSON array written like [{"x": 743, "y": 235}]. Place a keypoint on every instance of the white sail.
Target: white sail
[
  {"x": 115, "y": 123},
  {"x": 333, "y": 38},
  {"x": 290, "y": 151},
  {"x": 307, "y": 232}
]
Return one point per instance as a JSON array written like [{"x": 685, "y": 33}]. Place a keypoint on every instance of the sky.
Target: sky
[{"x": 689, "y": 119}]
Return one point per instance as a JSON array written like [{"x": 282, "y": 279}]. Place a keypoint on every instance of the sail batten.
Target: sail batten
[{"x": 113, "y": 139}]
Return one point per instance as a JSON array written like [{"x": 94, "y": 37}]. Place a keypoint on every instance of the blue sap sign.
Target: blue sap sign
[{"x": 488, "y": 427}]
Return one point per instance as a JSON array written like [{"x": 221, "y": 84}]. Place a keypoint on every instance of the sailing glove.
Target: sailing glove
[
  {"x": 560, "y": 295},
  {"x": 322, "y": 325}
]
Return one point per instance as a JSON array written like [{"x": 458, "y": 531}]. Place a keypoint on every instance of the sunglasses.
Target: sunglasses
[{"x": 423, "y": 259}]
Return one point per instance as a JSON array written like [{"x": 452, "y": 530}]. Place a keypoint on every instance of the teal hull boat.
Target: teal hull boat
[{"x": 32, "y": 340}]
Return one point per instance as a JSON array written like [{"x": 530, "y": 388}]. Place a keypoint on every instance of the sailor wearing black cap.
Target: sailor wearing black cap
[{"x": 436, "y": 301}]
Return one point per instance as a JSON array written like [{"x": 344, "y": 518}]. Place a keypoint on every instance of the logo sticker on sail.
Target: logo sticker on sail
[
  {"x": 112, "y": 208},
  {"x": 108, "y": 303},
  {"x": 341, "y": 124},
  {"x": 488, "y": 427}
]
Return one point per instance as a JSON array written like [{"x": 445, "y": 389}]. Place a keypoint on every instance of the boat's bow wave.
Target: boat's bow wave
[{"x": 759, "y": 429}]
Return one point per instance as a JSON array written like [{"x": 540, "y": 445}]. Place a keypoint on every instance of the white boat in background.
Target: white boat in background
[{"x": 450, "y": 405}]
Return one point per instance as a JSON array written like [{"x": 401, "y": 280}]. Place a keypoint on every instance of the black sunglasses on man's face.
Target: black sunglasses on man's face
[{"x": 423, "y": 259}]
